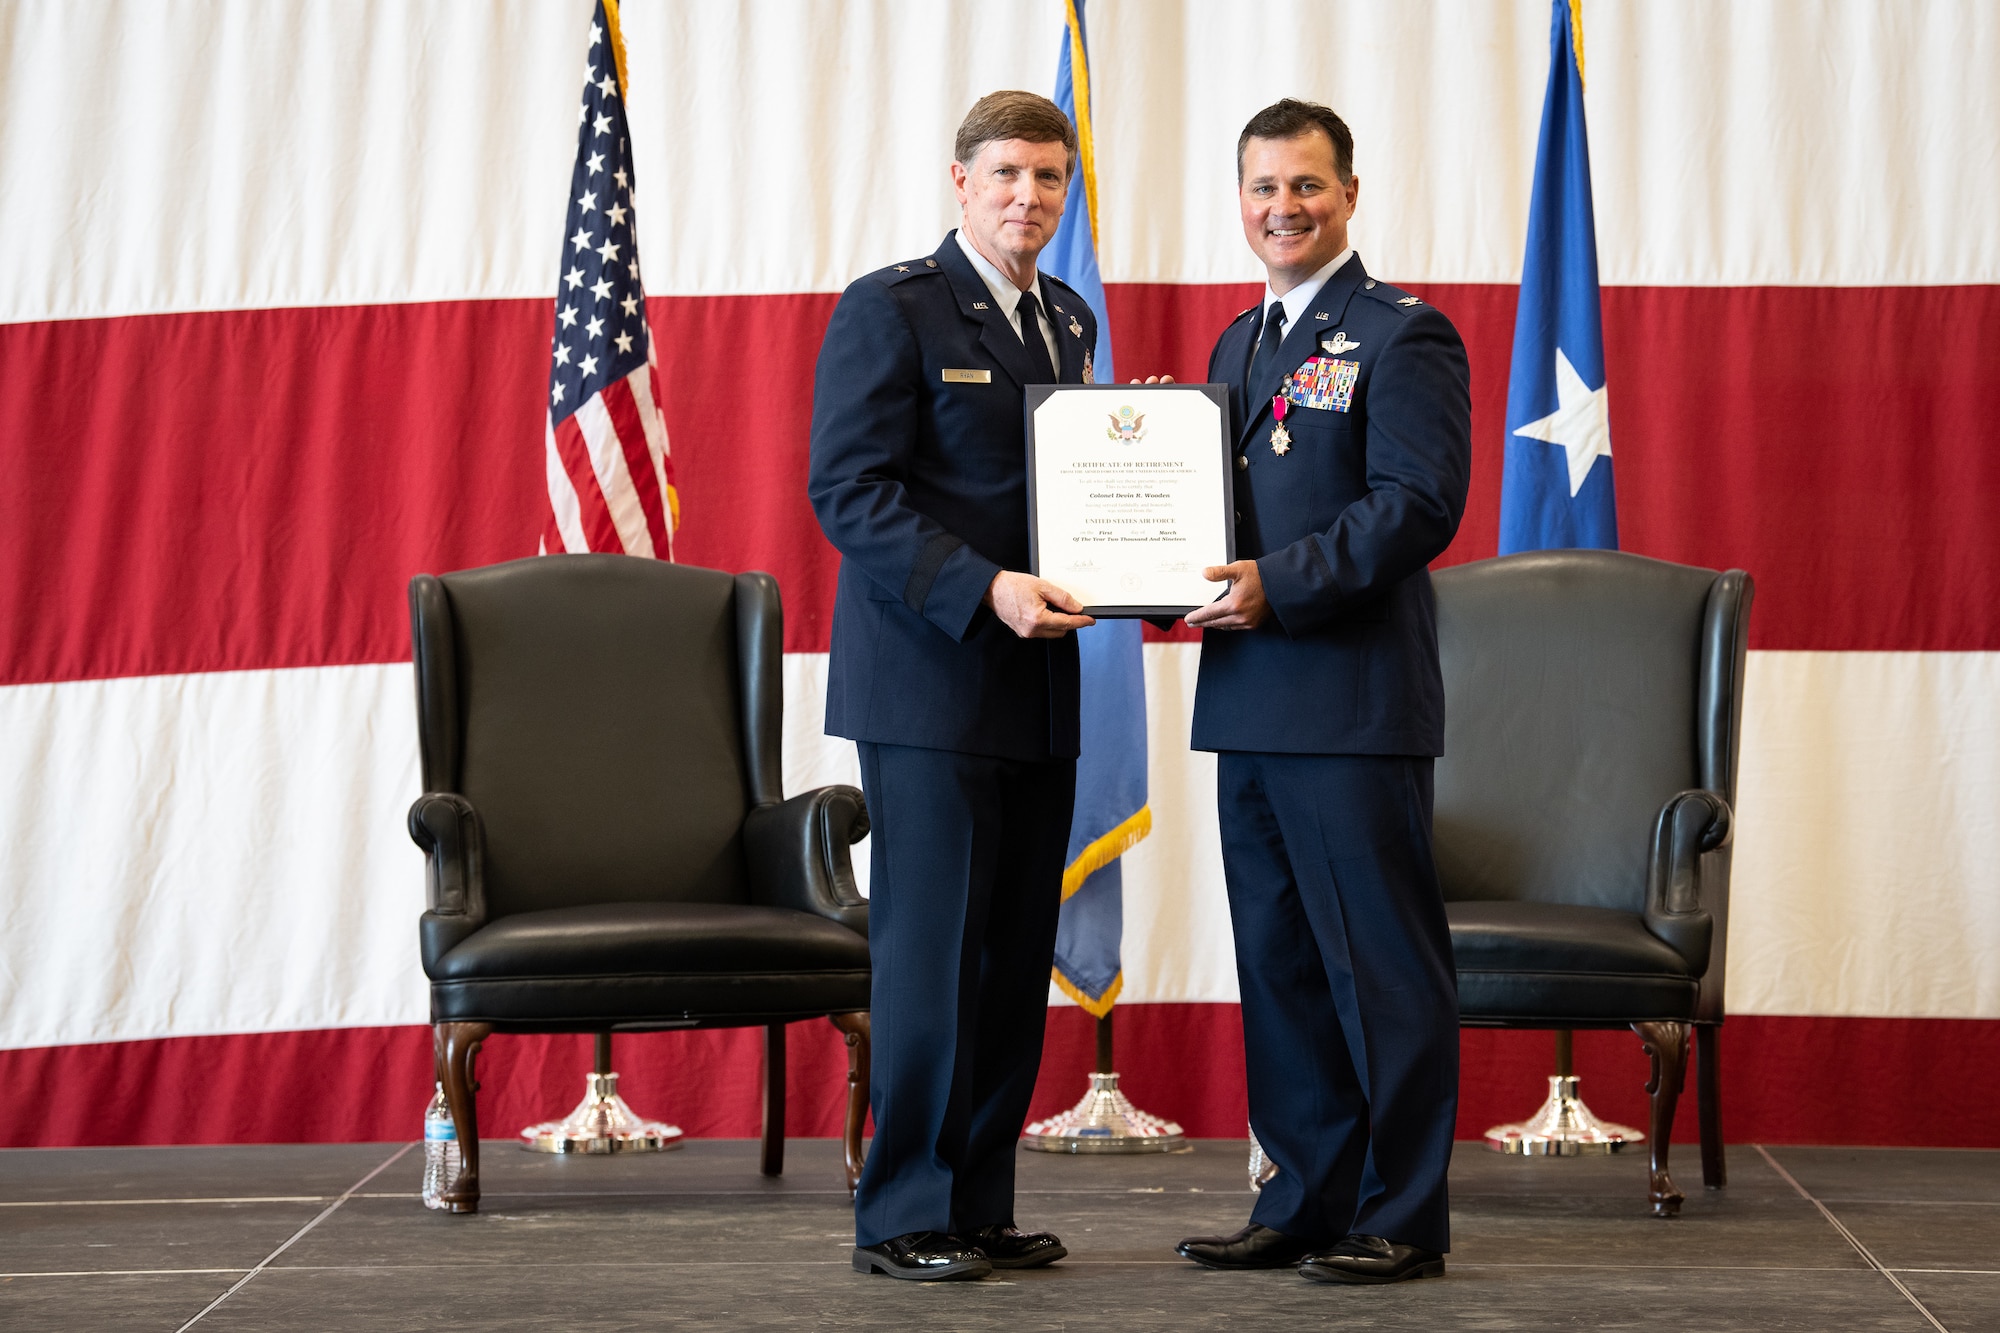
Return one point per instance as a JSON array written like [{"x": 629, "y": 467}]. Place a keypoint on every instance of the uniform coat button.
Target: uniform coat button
[{"x": 1242, "y": 462}]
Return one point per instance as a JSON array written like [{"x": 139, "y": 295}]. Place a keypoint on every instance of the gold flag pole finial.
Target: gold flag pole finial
[{"x": 1577, "y": 37}]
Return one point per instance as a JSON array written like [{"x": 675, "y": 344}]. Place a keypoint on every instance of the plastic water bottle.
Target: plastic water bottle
[{"x": 440, "y": 1150}]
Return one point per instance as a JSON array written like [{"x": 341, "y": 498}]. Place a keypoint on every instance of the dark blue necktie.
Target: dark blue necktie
[
  {"x": 1031, "y": 338},
  {"x": 1266, "y": 358}
]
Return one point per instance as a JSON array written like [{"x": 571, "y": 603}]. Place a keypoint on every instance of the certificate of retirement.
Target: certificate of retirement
[{"x": 1129, "y": 494}]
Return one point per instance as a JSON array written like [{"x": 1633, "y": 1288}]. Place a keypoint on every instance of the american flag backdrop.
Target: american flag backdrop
[
  {"x": 277, "y": 291},
  {"x": 610, "y": 473}
]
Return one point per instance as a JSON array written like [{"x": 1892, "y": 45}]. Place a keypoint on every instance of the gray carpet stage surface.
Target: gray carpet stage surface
[{"x": 334, "y": 1237}]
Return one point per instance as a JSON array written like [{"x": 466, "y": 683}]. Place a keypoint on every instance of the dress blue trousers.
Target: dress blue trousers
[
  {"x": 1350, "y": 996},
  {"x": 965, "y": 888}
]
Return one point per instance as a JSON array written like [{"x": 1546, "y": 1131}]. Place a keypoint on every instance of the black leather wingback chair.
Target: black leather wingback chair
[
  {"x": 604, "y": 823},
  {"x": 1593, "y": 704}
]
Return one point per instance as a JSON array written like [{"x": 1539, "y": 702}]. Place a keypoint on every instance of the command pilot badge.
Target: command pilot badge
[
  {"x": 1075, "y": 328},
  {"x": 1338, "y": 343}
]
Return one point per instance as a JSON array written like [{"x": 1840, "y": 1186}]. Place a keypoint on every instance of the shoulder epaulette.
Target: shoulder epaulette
[
  {"x": 1394, "y": 297},
  {"x": 1054, "y": 281},
  {"x": 908, "y": 268},
  {"x": 1082, "y": 305}
]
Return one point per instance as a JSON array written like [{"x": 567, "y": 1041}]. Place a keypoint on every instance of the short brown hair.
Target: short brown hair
[
  {"x": 1014, "y": 115},
  {"x": 1288, "y": 119}
]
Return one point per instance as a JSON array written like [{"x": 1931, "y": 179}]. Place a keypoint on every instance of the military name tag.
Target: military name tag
[{"x": 968, "y": 376}]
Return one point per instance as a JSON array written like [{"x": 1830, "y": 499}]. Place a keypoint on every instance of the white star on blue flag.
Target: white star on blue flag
[{"x": 1556, "y": 488}]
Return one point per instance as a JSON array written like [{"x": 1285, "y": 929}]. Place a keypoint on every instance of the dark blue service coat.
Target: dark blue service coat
[
  {"x": 919, "y": 479},
  {"x": 1342, "y": 527},
  {"x": 1328, "y": 717}
]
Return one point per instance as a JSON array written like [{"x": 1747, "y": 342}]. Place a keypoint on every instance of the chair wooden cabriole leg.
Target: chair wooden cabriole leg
[
  {"x": 774, "y": 1099},
  {"x": 1667, "y": 1044},
  {"x": 855, "y": 1026},
  {"x": 455, "y": 1047},
  {"x": 1708, "y": 1101}
]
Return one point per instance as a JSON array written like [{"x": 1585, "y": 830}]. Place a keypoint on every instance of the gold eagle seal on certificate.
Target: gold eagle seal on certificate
[{"x": 1127, "y": 426}]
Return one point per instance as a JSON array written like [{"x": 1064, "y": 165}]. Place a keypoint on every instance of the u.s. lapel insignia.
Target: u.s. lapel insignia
[
  {"x": 1337, "y": 344},
  {"x": 1075, "y": 328},
  {"x": 980, "y": 305},
  {"x": 1089, "y": 376},
  {"x": 1321, "y": 314},
  {"x": 1411, "y": 300}
]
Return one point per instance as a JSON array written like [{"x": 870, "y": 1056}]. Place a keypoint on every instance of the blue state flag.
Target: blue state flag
[
  {"x": 1555, "y": 490},
  {"x": 1111, "y": 809}
]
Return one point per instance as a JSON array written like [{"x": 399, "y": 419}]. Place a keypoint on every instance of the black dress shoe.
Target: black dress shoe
[
  {"x": 923, "y": 1256},
  {"x": 1255, "y": 1246},
  {"x": 1008, "y": 1248},
  {"x": 1359, "y": 1258}
]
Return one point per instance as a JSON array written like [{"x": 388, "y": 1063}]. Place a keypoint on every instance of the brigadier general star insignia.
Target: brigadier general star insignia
[{"x": 902, "y": 268}]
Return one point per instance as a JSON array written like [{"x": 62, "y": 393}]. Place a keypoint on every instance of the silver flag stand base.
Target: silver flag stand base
[
  {"x": 1262, "y": 1168},
  {"x": 1105, "y": 1121},
  {"x": 601, "y": 1123},
  {"x": 1564, "y": 1127}
]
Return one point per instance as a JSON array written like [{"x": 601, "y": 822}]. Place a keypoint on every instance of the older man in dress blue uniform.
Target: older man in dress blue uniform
[
  {"x": 1321, "y": 692},
  {"x": 956, "y": 674}
]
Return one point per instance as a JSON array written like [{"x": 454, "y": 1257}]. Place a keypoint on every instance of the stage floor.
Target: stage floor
[{"x": 329, "y": 1237}]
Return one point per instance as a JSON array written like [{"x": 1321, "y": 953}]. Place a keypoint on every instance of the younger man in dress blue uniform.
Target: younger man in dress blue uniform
[
  {"x": 957, "y": 676},
  {"x": 1320, "y": 690}
]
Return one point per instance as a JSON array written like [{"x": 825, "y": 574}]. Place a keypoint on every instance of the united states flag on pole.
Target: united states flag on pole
[{"x": 609, "y": 471}]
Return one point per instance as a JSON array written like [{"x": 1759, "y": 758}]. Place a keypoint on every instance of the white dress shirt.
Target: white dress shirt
[
  {"x": 1007, "y": 297},
  {"x": 1300, "y": 298}
]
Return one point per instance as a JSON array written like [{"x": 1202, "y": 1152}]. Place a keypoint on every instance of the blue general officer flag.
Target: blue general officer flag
[
  {"x": 1556, "y": 487},
  {"x": 1111, "y": 810}
]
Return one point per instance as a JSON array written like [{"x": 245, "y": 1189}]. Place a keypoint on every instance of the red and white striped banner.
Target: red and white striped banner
[{"x": 274, "y": 337}]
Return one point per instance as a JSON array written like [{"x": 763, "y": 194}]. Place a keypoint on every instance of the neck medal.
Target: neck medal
[{"x": 1281, "y": 439}]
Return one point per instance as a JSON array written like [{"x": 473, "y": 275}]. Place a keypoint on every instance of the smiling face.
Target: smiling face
[
  {"x": 1011, "y": 197},
  {"x": 1295, "y": 206}
]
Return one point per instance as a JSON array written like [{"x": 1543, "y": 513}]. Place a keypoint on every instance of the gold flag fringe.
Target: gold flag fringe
[
  {"x": 617, "y": 42},
  {"x": 1106, "y": 850},
  {"x": 1096, "y": 1008}
]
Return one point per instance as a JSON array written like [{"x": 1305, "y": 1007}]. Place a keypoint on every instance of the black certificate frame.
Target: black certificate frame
[{"x": 1037, "y": 394}]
